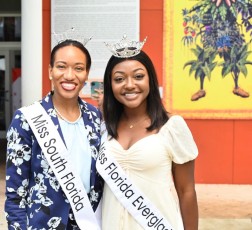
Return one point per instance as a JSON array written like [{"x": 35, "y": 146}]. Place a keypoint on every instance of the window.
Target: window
[{"x": 10, "y": 28}]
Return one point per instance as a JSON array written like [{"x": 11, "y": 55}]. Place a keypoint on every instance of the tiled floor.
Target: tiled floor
[
  {"x": 225, "y": 207},
  {"x": 225, "y": 224}
]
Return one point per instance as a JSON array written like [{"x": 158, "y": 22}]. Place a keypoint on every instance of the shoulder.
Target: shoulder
[
  {"x": 87, "y": 107},
  {"x": 176, "y": 128},
  {"x": 174, "y": 121},
  {"x": 19, "y": 120},
  {"x": 180, "y": 140},
  {"x": 90, "y": 106}
]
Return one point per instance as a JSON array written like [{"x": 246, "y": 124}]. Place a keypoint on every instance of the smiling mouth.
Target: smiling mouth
[
  {"x": 68, "y": 86},
  {"x": 130, "y": 95}
]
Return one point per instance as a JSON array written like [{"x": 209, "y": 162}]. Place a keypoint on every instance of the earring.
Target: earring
[{"x": 50, "y": 77}]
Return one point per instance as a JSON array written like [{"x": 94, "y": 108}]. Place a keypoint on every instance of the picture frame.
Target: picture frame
[{"x": 194, "y": 36}]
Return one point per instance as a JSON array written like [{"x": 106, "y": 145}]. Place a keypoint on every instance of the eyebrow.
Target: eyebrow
[
  {"x": 78, "y": 63},
  {"x": 60, "y": 62},
  {"x": 133, "y": 71}
]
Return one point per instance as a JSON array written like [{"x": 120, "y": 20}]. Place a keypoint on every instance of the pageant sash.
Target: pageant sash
[
  {"x": 129, "y": 195},
  {"x": 59, "y": 160}
]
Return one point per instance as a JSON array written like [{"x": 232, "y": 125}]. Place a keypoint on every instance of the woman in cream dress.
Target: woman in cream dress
[{"x": 155, "y": 150}]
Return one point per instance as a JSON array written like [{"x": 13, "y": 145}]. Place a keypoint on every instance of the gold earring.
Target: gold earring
[{"x": 50, "y": 77}]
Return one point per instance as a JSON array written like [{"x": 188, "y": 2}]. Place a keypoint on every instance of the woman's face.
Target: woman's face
[
  {"x": 130, "y": 83},
  {"x": 69, "y": 72}
]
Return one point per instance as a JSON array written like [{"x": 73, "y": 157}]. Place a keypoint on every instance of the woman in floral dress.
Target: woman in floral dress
[{"x": 34, "y": 197}]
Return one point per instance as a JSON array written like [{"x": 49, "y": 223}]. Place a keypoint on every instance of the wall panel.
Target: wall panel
[{"x": 225, "y": 146}]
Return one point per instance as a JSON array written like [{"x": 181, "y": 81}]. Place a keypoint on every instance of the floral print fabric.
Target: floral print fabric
[{"x": 34, "y": 198}]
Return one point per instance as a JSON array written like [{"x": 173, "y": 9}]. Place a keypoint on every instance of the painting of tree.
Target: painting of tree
[
  {"x": 218, "y": 28},
  {"x": 207, "y": 58}
]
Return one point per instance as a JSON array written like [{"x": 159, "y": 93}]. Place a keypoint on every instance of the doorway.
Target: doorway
[{"x": 10, "y": 60}]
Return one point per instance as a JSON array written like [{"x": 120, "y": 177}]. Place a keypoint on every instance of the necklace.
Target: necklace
[
  {"x": 137, "y": 122},
  {"x": 63, "y": 118}
]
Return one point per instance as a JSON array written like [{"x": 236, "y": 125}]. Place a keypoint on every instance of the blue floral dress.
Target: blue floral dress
[{"x": 34, "y": 198}]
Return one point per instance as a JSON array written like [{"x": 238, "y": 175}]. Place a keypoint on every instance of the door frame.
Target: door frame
[
  {"x": 7, "y": 105},
  {"x": 8, "y": 51}
]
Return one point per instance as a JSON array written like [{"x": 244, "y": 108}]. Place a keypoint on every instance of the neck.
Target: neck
[
  {"x": 67, "y": 110},
  {"x": 65, "y": 104},
  {"x": 132, "y": 120},
  {"x": 132, "y": 117},
  {"x": 134, "y": 114}
]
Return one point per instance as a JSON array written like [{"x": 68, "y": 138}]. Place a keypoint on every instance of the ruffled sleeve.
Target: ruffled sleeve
[{"x": 178, "y": 137}]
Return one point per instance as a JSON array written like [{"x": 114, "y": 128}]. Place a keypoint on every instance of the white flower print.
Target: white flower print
[
  {"x": 39, "y": 180},
  {"x": 22, "y": 192},
  {"x": 18, "y": 153},
  {"x": 13, "y": 136},
  {"x": 22, "y": 203},
  {"x": 54, "y": 183},
  {"x": 47, "y": 97},
  {"x": 41, "y": 189},
  {"x": 97, "y": 123},
  {"x": 25, "y": 159},
  {"x": 47, "y": 170},
  {"x": 93, "y": 136},
  {"x": 94, "y": 152},
  {"x": 52, "y": 112},
  {"x": 22, "y": 153},
  {"x": 94, "y": 196},
  {"x": 44, "y": 200},
  {"x": 89, "y": 115},
  {"x": 53, "y": 223},
  {"x": 91, "y": 133},
  {"x": 29, "y": 201},
  {"x": 24, "y": 124},
  {"x": 16, "y": 226},
  {"x": 10, "y": 189}
]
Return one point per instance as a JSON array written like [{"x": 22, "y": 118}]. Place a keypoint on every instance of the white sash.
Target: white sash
[
  {"x": 59, "y": 160},
  {"x": 144, "y": 212}
]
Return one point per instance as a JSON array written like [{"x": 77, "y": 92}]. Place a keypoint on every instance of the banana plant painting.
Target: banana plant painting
[
  {"x": 219, "y": 28},
  {"x": 202, "y": 67}
]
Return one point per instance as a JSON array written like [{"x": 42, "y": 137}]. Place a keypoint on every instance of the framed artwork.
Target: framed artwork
[
  {"x": 208, "y": 58},
  {"x": 90, "y": 87}
]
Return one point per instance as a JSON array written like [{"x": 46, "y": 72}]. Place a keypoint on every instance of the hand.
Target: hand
[{"x": 99, "y": 98}]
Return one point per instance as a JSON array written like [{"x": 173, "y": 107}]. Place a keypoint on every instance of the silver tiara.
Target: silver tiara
[
  {"x": 125, "y": 48},
  {"x": 70, "y": 34}
]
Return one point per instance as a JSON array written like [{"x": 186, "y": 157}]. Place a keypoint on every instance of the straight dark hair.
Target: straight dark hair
[
  {"x": 112, "y": 109},
  {"x": 74, "y": 43}
]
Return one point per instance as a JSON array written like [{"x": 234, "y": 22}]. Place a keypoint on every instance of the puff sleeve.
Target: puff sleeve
[{"x": 182, "y": 147}]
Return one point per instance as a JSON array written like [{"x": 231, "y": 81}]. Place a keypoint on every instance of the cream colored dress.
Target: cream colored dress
[{"x": 148, "y": 164}]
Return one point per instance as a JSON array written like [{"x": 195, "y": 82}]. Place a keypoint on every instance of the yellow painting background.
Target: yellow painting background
[{"x": 219, "y": 102}]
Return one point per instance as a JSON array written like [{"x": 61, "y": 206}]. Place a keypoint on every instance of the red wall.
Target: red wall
[
  {"x": 46, "y": 45},
  {"x": 224, "y": 145}
]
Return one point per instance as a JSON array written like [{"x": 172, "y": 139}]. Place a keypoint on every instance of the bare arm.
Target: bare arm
[{"x": 183, "y": 175}]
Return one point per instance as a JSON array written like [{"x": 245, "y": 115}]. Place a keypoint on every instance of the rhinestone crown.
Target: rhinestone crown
[
  {"x": 125, "y": 48},
  {"x": 70, "y": 34}
]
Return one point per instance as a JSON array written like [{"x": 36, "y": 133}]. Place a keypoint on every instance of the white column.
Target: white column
[{"x": 31, "y": 48}]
